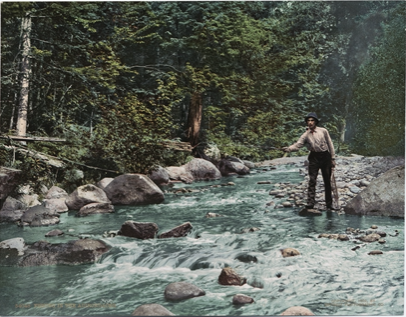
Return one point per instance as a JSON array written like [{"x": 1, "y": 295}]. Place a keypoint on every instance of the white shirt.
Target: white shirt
[{"x": 317, "y": 140}]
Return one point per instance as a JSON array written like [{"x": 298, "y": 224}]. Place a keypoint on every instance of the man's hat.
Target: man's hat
[{"x": 312, "y": 115}]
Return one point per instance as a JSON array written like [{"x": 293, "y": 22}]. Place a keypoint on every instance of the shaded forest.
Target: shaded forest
[{"x": 118, "y": 80}]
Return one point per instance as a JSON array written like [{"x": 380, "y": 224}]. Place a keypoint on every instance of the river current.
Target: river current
[{"x": 329, "y": 278}]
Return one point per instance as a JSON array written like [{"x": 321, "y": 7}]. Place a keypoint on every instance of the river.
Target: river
[{"x": 328, "y": 277}]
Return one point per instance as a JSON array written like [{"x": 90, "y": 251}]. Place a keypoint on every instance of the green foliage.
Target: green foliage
[
  {"x": 130, "y": 133},
  {"x": 379, "y": 100}
]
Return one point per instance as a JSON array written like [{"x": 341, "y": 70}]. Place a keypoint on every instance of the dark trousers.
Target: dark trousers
[{"x": 319, "y": 161}]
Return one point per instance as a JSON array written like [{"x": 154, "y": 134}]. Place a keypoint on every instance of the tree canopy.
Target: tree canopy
[{"x": 116, "y": 79}]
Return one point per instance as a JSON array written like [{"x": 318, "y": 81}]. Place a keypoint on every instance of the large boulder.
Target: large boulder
[
  {"x": 385, "y": 196},
  {"x": 179, "y": 231},
  {"x": 12, "y": 210},
  {"x": 11, "y": 250},
  {"x": 71, "y": 253},
  {"x": 159, "y": 176},
  {"x": 85, "y": 195},
  {"x": 182, "y": 290},
  {"x": 134, "y": 189},
  {"x": 9, "y": 178},
  {"x": 14, "y": 243},
  {"x": 139, "y": 230},
  {"x": 151, "y": 310},
  {"x": 39, "y": 216},
  {"x": 202, "y": 169},
  {"x": 179, "y": 173}
]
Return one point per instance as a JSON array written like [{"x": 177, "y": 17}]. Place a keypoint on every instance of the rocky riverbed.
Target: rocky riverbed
[
  {"x": 241, "y": 225},
  {"x": 353, "y": 175}
]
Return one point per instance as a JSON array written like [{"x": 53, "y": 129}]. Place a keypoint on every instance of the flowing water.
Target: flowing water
[{"x": 328, "y": 277}]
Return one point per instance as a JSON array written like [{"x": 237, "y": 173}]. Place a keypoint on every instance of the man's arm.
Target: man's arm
[{"x": 299, "y": 144}]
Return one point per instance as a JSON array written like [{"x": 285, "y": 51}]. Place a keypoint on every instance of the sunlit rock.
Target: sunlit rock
[
  {"x": 212, "y": 215},
  {"x": 14, "y": 243},
  {"x": 297, "y": 311},
  {"x": 385, "y": 196},
  {"x": 29, "y": 200},
  {"x": 182, "y": 290},
  {"x": 287, "y": 204},
  {"x": 85, "y": 195},
  {"x": 288, "y": 252},
  {"x": 179, "y": 173},
  {"x": 229, "y": 277},
  {"x": 134, "y": 189},
  {"x": 151, "y": 310},
  {"x": 202, "y": 169}
]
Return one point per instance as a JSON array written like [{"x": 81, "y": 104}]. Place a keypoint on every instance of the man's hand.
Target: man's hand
[
  {"x": 286, "y": 149},
  {"x": 333, "y": 163}
]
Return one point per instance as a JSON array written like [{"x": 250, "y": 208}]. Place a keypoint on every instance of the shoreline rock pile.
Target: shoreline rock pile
[{"x": 365, "y": 185}]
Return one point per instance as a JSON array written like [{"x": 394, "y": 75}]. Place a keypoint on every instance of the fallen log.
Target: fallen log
[{"x": 26, "y": 138}]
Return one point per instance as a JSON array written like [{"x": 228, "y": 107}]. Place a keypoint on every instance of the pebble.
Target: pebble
[
  {"x": 241, "y": 299},
  {"x": 212, "y": 215},
  {"x": 375, "y": 252},
  {"x": 355, "y": 189}
]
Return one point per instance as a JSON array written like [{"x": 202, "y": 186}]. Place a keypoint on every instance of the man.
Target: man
[{"x": 321, "y": 157}]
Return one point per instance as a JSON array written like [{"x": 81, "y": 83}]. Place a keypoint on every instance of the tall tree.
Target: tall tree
[{"x": 25, "y": 73}]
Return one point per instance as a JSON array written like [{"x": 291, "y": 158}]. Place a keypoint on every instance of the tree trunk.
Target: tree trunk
[
  {"x": 21, "y": 126},
  {"x": 195, "y": 118},
  {"x": 342, "y": 128}
]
